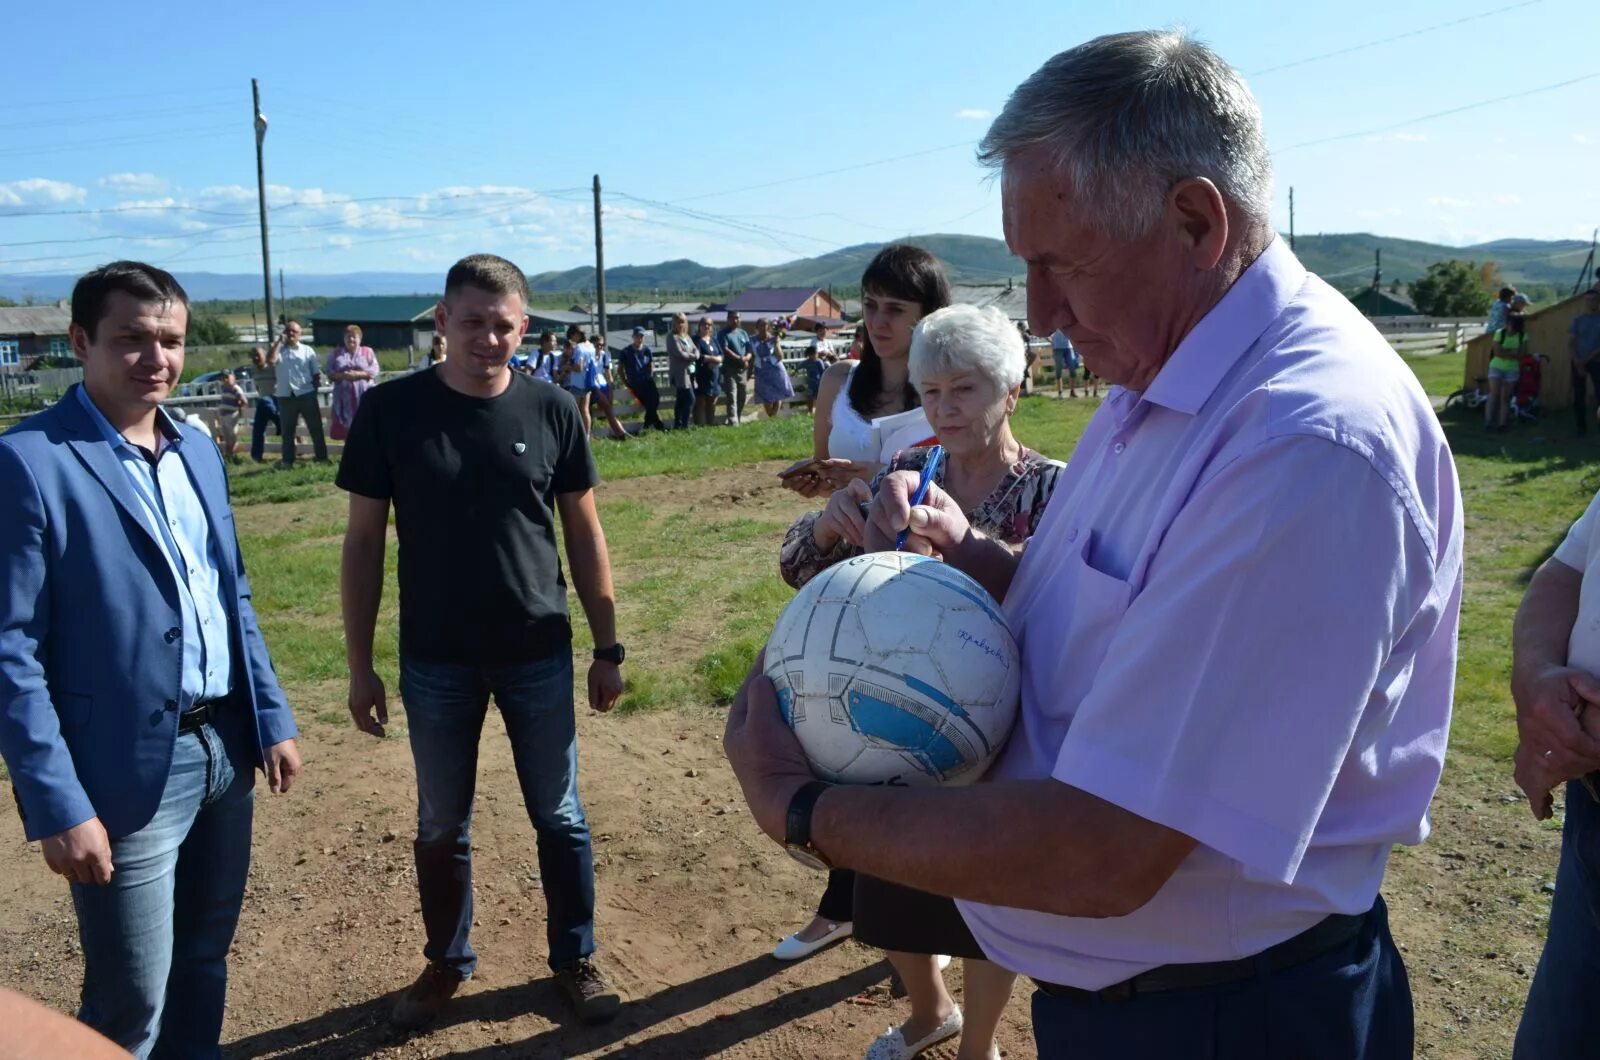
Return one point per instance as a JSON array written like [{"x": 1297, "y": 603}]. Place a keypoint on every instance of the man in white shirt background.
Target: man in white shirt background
[{"x": 298, "y": 376}]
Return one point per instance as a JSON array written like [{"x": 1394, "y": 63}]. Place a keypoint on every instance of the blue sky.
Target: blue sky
[{"x": 403, "y": 135}]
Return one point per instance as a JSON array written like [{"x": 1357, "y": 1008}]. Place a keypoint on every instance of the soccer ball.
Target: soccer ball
[{"x": 893, "y": 668}]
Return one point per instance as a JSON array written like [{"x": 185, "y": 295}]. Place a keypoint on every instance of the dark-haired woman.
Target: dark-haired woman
[
  {"x": 863, "y": 416},
  {"x": 900, "y": 286}
]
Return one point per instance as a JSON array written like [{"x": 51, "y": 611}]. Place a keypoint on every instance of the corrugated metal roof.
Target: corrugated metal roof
[
  {"x": 377, "y": 309},
  {"x": 771, "y": 299},
  {"x": 34, "y": 320},
  {"x": 1011, "y": 299}
]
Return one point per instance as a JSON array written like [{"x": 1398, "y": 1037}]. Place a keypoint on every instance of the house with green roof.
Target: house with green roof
[{"x": 387, "y": 322}]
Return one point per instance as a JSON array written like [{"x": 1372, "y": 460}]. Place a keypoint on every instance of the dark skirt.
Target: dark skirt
[{"x": 892, "y": 917}]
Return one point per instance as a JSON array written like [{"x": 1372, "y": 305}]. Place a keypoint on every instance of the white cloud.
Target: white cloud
[
  {"x": 340, "y": 241},
  {"x": 1399, "y": 138},
  {"x": 973, "y": 114},
  {"x": 20, "y": 195},
  {"x": 134, "y": 183},
  {"x": 1449, "y": 202},
  {"x": 1580, "y": 138},
  {"x": 1508, "y": 200},
  {"x": 1374, "y": 215}
]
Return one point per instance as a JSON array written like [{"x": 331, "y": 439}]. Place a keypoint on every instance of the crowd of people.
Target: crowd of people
[{"x": 1236, "y": 606}]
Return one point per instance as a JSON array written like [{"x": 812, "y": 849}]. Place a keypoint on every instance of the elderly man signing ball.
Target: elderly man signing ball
[{"x": 1237, "y": 617}]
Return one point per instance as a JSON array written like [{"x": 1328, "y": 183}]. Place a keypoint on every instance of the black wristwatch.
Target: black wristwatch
[
  {"x": 797, "y": 827},
  {"x": 614, "y": 654}
]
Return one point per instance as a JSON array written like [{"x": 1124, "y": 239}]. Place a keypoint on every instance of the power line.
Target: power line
[
  {"x": 828, "y": 172},
  {"x": 1439, "y": 114},
  {"x": 521, "y": 195},
  {"x": 1390, "y": 40}
]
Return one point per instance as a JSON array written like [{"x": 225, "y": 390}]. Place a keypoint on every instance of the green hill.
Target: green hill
[
  {"x": 970, "y": 259},
  {"x": 1344, "y": 259}
]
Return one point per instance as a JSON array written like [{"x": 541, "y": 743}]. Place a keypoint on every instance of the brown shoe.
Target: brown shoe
[
  {"x": 593, "y": 998},
  {"x": 424, "y": 999}
]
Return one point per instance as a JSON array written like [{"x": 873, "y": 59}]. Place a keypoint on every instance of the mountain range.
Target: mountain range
[{"x": 1346, "y": 260}]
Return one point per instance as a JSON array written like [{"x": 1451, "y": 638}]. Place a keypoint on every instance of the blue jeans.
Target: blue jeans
[
  {"x": 445, "y": 706},
  {"x": 1352, "y": 1003},
  {"x": 1561, "y": 1019},
  {"x": 266, "y": 412},
  {"x": 156, "y": 938},
  {"x": 683, "y": 408}
]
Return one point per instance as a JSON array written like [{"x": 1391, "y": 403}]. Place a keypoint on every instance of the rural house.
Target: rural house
[
  {"x": 29, "y": 332},
  {"x": 753, "y": 303},
  {"x": 1376, "y": 302},
  {"x": 387, "y": 322}
]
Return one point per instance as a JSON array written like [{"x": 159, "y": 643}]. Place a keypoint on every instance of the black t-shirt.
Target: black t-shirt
[{"x": 473, "y": 482}]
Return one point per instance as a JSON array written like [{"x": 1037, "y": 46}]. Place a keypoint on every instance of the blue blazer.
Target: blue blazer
[{"x": 91, "y": 652}]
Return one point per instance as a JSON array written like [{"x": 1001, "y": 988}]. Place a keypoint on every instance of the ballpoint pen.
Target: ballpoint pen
[{"x": 929, "y": 469}]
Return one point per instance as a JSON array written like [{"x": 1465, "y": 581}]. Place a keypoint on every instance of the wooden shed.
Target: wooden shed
[{"x": 1547, "y": 334}]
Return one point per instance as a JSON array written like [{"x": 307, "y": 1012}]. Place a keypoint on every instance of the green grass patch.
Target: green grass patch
[{"x": 1440, "y": 374}]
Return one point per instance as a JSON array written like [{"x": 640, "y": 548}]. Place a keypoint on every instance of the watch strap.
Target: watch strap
[{"x": 797, "y": 824}]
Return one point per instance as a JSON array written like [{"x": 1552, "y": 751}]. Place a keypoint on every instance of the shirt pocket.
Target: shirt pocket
[{"x": 1076, "y": 626}]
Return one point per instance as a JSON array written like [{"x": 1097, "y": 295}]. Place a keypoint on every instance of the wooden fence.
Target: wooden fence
[{"x": 1425, "y": 336}]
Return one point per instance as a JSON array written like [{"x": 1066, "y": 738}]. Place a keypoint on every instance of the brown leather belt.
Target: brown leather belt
[{"x": 1326, "y": 935}]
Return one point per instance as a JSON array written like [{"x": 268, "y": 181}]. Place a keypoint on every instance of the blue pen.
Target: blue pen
[{"x": 929, "y": 469}]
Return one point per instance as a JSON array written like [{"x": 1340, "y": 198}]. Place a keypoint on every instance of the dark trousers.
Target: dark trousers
[
  {"x": 649, "y": 397},
  {"x": 683, "y": 407},
  {"x": 1580, "y": 392},
  {"x": 266, "y": 412},
  {"x": 838, "y": 901},
  {"x": 1561, "y": 1020},
  {"x": 301, "y": 406},
  {"x": 1351, "y": 1003}
]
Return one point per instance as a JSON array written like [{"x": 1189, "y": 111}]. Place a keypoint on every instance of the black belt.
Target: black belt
[
  {"x": 197, "y": 715},
  {"x": 1327, "y": 935}
]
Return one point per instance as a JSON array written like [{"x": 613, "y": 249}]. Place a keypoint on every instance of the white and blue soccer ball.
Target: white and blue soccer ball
[{"x": 893, "y": 668}]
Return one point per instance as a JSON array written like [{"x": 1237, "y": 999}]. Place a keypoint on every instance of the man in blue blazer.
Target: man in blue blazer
[{"x": 136, "y": 696}]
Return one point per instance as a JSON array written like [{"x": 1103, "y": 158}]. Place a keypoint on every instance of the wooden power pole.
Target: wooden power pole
[
  {"x": 599, "y": 263},
  {"x": 261, "y": 197}
]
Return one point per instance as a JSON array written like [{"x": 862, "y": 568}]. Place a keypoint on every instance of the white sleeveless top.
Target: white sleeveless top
[
  {"x": 853, "y": 437},
  {"x": 850, "y": 437}
]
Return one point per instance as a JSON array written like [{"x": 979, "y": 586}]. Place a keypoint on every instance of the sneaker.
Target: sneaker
[
  {"x": 593, "y": 998},
  {"x": 424, "y": 999}
]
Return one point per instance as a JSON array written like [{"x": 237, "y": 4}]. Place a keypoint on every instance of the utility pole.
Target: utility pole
[
  {"x": 1291, "y": 217},
  {"x": 1588, "y": 263},
  {"x": 1377, "y": 267},
  {"x": 281, "y": 299},
  {"x": 599, "y": 263},
  {"x": 261, "y": 196}
]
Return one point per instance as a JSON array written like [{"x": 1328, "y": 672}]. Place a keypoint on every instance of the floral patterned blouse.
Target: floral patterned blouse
[{"x": 1010, "y": 513}]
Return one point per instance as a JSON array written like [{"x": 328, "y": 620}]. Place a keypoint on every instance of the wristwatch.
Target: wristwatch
[
  {"x": 797, "y": 827},
  {"x": 614, "y": 654}
]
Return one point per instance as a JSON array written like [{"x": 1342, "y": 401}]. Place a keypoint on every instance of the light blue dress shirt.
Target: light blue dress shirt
[{"x": 174, "y": 515}]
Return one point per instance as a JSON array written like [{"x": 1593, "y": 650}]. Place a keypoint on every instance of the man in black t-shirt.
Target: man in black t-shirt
[{"x": 477, "y": 461}]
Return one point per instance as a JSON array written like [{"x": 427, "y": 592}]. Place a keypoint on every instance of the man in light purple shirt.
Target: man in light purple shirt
[{"x": 1237, "y": 618}]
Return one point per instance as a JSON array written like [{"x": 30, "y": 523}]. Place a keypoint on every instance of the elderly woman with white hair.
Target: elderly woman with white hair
[{"x": 967, "y": 365}]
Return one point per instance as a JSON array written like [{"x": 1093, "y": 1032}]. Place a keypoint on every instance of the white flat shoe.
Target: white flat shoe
[
  {"x": 794, "y": 947},
  {"x": 892, "y": 1044}
]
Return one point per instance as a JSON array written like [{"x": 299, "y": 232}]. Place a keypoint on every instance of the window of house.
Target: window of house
[
  {"x": 10, "y": 352},
  {"x": 60, "y": 348}
]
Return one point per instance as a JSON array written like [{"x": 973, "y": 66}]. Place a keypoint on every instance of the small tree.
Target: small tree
[
  {"x": 207, "y": 330},
  {"x": 1450, "y": 289}
]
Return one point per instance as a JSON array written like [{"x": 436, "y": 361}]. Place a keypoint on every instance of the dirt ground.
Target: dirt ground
[{"x": 691, "y": 901}]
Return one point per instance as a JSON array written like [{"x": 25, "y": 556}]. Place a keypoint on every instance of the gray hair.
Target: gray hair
[
  {"x": 1128, "y": 115},
  {"x": 964, "y": 338}
]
